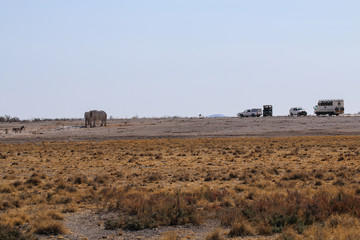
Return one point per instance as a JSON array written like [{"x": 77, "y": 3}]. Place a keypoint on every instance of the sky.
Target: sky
[{"x": 155, "y": 58}]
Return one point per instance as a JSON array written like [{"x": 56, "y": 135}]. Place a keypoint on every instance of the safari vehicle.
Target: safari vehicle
[
  {"x": 267, "y": 110},
  {"x": 297, "y": 111},
  {"x": 330, "y": 107},
  {"x": 255, "y": 112}
]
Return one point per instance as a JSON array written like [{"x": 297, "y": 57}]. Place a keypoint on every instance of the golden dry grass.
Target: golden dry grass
[{"x": 297, "y": 186}]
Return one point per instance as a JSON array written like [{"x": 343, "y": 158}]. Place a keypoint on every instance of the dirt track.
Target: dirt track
[{"x": 182, "y": 128}]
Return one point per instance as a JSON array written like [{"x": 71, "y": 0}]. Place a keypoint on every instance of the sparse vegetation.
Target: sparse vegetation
[
  {"x": 12, "y": 233},
  {"x": 293, "y": 186},
  {"x": 8, "y": 118}
]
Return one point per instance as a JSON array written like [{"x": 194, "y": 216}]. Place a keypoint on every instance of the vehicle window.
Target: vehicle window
[{"x": 325, "y": 103}]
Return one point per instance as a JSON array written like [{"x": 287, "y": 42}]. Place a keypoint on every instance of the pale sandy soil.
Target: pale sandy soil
[{"x": 182, "y": 128}]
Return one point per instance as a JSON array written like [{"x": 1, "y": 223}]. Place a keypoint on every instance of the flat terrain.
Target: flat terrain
[
  {"x": 221, "y": 178},
  {"x": 182, "y": 128}
]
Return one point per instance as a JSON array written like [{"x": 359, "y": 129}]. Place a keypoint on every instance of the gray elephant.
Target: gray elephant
[
  {"x": 87, "y": 119},
  {"x": 97, "y": 116}
]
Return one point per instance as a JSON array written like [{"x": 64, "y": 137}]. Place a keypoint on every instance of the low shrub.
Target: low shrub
[
  {"x": 289, "y": 234},
  {"x": 55, "y": 215},
  {"x": 111, "y": 224},
  {"x": 11, "y": 233},
  {"x": 148, "y": 211},
  {"x": 278, "y": 212},
  {"x": 171, "y": 235},
  {"x": 297, "y": 176},
  {"x": 241, "y": 228},
  {"x": 79, "y": 179},
  {"x": 215, "y": 235},
  {"x": 153, "y": 177},
  {"x": 49, "y": 227},
  {"x": 6, "y": 188},
  {"x": 35, "y": 181},
  {"x": 101, "y": 179}
]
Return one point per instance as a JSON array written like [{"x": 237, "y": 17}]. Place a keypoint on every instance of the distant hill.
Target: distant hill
[{"x": 216, "y": 116}]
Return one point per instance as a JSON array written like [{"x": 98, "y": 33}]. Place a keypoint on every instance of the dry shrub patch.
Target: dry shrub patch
[
  {"x": 293, "y": 210},
  {"x": 172, "y": 235},
  {"x": 6, "y": 188},
  {"x": 294, "y": 186},
  {"x": 12, "y": 233},
  {"x": 215, "y": 235},
  {"x": 49, "y": 227},
  {"x": 34, "y": 180},
  {"x": 241, "y": 228},
  {"x": 141, "y": 211}
]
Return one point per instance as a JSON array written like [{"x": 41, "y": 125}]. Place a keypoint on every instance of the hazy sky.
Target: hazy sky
[{"x": 149, "y": 58}]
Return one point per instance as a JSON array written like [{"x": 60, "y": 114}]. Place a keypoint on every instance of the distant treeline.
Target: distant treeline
[{"x": 8, "y": 118}]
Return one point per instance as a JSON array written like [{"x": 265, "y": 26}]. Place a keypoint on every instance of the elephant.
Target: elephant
[
  {"x": 87, "y": 119},
  {"x": 97, "y": 116}
]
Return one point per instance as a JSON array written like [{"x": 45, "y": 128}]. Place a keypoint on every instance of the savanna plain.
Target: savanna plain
[{"x": 198, "y": 187}]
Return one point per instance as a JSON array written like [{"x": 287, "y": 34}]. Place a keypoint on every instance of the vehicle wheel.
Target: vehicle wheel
[
  {"x": 253, "y": 115},
  {"x": 291, "y": 114}
]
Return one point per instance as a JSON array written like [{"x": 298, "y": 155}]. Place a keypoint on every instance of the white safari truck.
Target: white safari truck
[{"x": 330, "y": 107}]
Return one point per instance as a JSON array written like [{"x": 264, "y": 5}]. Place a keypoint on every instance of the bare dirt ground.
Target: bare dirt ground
[{"x": 182, "y": 128}]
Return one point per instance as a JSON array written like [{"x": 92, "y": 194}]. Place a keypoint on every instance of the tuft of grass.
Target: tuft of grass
[
  {"x": 15, "y": 219},
  {"x": 215, "y": 235},
  {"x": 171, "y": 235},
  {"x": 289, "y": 234},
  {"x": 153, "y": 177},
  {"x": 241, "y": 228},
  {"x": 34, "y": 181},
  {"x": 55, "y": 215},
  {"x": 11, "y": 233},
  {"x": 79, "y": 179},
  {"x": 153, "y": 210},
  {"x": 101, "y": 178},
  {"x": 49, "y": 227},
  {"x": 297, "y": 176},
  {"x": 5, "y": 188}
]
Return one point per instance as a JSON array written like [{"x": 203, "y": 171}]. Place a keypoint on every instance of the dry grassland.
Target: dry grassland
[{"x": 286, "y": 188}]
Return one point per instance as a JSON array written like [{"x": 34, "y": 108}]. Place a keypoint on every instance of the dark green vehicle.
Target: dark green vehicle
[{"x": 267, "y": 110}]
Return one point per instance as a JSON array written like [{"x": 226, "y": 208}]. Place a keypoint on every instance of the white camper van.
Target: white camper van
[{"x": 330, "y": 107}]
